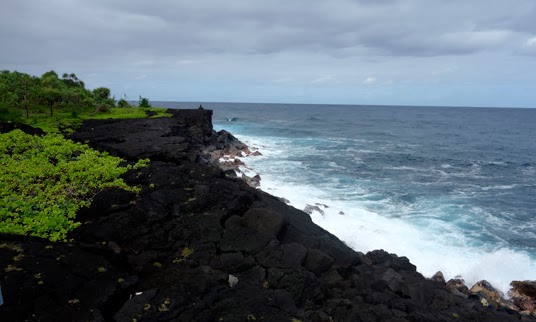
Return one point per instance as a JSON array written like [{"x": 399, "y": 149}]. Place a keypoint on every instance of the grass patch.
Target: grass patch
[{"x": 68, "y": 120}]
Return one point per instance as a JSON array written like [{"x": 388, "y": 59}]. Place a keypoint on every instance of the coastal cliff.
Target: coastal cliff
[{"x": 200, "y": 245}]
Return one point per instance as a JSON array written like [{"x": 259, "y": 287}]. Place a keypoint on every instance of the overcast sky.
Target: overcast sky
[{"x": 400, "y": 52}]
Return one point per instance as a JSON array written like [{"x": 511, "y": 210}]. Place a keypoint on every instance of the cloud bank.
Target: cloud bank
[{"x": 186, "y": 48}]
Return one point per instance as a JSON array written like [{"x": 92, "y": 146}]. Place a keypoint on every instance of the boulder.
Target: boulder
[
  {"x": 457, "y": 285},
  {"x": 264, "y": 221},
  {"x": 523, "y": 294},
  {"x": 317, "y": 261},
  {"x": 487, "y": 291},
  {"x": 253, "y": 182},
  {"x": 438, "y": 277}
]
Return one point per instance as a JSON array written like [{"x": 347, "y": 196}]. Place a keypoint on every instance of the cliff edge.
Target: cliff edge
[{"x": 199, "y": 245}]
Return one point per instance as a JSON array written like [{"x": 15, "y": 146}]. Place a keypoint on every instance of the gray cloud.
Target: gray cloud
[
  {"x": 316, "y": 42},
  {"x": 413, "y": 28}
]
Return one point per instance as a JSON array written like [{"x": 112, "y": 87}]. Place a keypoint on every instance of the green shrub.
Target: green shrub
[
  {"x": 10, "y": 114},
  {"x": 123, "y": 103},
  {"x": 44, "y": 181},
  {"x": 144, "y": 102}
]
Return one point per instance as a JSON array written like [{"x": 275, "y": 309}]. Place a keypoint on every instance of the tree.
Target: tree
[
  {"x": 144, "y": 102},
  {"x": 27, "y": 92},
  {"x": 52, "y": 91},
  {"x": 18, "y": 90},
  {"x": 102, "y": 99},
  {"x": 72, "y": 81},
  {"x": 51, "y": 97},
  {"x": 50, "y": 79}
]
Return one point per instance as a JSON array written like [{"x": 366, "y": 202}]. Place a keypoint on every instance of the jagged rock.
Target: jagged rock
[
  {"x": 523, "y": 294},
  {"x": 488, "y": 292},
  {"x": 256, "y": 154},
  {"x": 310, "y": 209},
  {"x": 182, "y": 238},
  {"x": 438, "y": 277},
  {"x": 224, "y": 143},
  {"x": 524, "y": 304},
  {"x": 458, "y": 285},
  {"x": 285, "y": 200},
  {"x": 523, "y": 288},
  {"x": 253, "y": 182}
]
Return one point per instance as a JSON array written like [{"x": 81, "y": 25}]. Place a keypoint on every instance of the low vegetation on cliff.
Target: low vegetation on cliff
[
  {"x": 45, "y": 180},
  {"x": 57, "y": 104}
]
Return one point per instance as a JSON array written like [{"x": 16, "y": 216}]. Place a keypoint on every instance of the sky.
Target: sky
[{"x": 384, "y": 52}]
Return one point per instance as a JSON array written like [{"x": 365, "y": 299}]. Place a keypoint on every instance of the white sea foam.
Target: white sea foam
[
  {"x": 499, "y": 187},
  {"x": 428, "y": 240},
  {"x": 435, "y": 246}
]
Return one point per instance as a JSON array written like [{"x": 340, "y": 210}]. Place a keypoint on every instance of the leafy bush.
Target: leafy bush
[
  {"x": 144, "y": 102},
  {"x": 44, "y": 181},
  {"x": 123, "y": 103},
  {"x": 10, "y": 114}
]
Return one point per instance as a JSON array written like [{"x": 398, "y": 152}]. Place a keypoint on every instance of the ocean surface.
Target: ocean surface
[{"x": 453, "y": 189}]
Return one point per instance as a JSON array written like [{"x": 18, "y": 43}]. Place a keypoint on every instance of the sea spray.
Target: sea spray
[
  {"x": 431, "y": 244},
  {"x": 451, "y": 188}
]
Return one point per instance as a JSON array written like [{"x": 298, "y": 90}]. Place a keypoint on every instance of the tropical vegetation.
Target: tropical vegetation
[
  {"x": 45, "y": 180},
  {"x": 60, "y": 104}
]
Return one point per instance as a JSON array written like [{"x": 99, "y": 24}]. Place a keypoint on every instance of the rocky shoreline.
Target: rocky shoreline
[{"x": 201, "y": 244}]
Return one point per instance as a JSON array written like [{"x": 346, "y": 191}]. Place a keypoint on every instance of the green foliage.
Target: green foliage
[
  {"x": 123, "y": 103},
  {"x": 102, "y": 99},
  {"x": 44, "y": 181},
  {"x": 10, "y": 114},
  {"x": 69, "y": 121},
  {"x": 144, "y": 102},
  {"x": 51, "y": 94}
]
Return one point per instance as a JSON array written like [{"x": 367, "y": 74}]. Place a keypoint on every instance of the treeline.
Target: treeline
[{"x": 31, "y": 94}]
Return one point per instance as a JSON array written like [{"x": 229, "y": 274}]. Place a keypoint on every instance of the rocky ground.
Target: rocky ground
[{"x": 200, "y": 244}]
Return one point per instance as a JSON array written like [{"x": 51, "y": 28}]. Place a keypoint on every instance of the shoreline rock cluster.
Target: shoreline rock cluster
[{"x": 198, "y": 244}]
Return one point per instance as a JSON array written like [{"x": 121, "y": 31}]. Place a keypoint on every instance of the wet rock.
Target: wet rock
[
  {"x": 285, "y": 200},
  {"x": 310, "y": 209},
  {"x": 256, "y": 154},
  {"x": 488, "y": 292},
  {"x": 523, "y": 288},
  {"x": 438, "y": 277},
  {"x": 458, "y": 285},
  {"x": 253, "y": 182},
  {"x": 523, "y": 294},
  {"x": 183, "y": 240}
]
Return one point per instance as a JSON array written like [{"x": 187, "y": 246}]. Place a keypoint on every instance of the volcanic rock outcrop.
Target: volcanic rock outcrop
[{"x": 197, "y": 245}]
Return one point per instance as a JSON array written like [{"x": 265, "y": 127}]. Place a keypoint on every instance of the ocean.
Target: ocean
[{"x": 451, "y": 188}]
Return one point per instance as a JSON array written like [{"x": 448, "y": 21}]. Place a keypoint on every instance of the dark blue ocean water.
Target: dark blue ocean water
[{"x": 454, "y": 189}]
